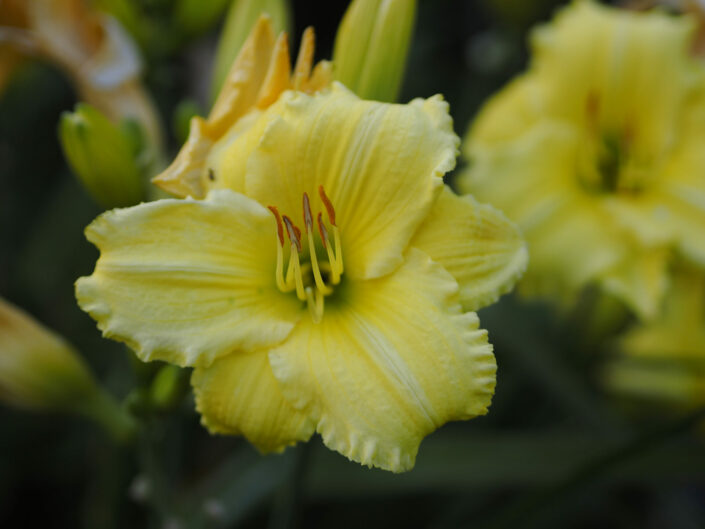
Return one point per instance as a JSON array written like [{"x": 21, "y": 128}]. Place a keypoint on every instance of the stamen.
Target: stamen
[
  {"x": 281, "y": 285},
  {"x": 335, "y": 275},
  {"x": 314, "y": 300},
  {"x": 295, "y": 249},
  {"x": 293, "y": 232},
  {"x": 337, "y": 262},
  {"x": 327, "y": 203},
  {"x": 308, "y": 222}
]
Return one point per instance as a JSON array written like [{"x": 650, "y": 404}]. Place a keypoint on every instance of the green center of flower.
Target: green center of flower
[
  {"x": 312, "y": 279},
  {"x": 607, "y": 162}
]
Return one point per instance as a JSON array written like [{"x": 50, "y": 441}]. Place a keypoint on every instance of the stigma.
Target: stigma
[{"x": 311, "y": 277}]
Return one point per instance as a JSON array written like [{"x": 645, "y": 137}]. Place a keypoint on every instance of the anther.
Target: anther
[
  {"x": 280, "y": 228},
  {"x": 279, "y": 274},
  {"x": 328, "y": 204},
  {"x": 294, "y": 265},
  {"x": 336, "y": 262},
  {"x": 322, "y": 230},
  {"x": 293, "y": 232},
  {"x": 308, "y": 220}
]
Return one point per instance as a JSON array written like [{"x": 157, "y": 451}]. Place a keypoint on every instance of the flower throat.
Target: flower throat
[{"x": 311, "y": 279}]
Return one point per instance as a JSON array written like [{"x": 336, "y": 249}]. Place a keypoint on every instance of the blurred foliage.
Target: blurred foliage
[{"x": 555, "y": 450}]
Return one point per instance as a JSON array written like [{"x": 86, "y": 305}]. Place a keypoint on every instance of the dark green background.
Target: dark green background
[{"x": 554, "y": 451}]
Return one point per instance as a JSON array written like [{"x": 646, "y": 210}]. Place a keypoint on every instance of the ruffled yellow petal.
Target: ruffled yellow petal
[
  {"x": 477, "y": 244},
  {"x": 238, "y": 395},
  {"x": 393, "y": 359},
  {"x": 188, "y": 281},
  {"x": 381, "y": 166}
]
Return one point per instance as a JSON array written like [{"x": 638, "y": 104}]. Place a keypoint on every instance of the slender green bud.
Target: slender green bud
[
  {"x": 372, "y": 45},
  {"x": 102, "y": 156},
  {"x": 39, "y": 370},
  {"x": 240, "y": 19}
]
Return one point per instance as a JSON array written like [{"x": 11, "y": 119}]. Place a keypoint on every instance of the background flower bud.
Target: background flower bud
[
  {"x": 372, "y": 45},
  {"x": 38, "y": 369},
  {"x": 102, "y": 155}
]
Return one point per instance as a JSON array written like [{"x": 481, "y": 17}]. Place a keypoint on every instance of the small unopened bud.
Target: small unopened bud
[
  {"x": 103, "y": 156},
  {"x": 372, "y": 45},
  {"x": 240, "y": 19},
  {"x": 39, "y": 370}
]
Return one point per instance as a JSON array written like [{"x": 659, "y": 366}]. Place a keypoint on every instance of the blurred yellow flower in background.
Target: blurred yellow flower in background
[
  {"x": 258, "y": 76},
  {"x": 91, "y": 48},
  {"x": 597, "y": 153},
  {"x": 366, "y": 334},
  {"x": 665, "y": 359}
]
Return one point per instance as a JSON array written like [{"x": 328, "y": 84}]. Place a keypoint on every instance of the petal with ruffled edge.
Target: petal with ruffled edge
[
  {"x": 188, "y": 281},
  {"x": 477, "y": 244},
  {"x": 392, "y": 360},
  {"x": 238, "y": 395},
  {"x": 380, "y": 164}
]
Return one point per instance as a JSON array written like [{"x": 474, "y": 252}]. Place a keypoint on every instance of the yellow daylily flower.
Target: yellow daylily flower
[
  {"x": 258, "y": 76},
  {"x": 665, "y": 359},
  {"x": 596, "y": 152},
  {"x": 91, "y": 47},
  {"x": 327, "y": 287}
]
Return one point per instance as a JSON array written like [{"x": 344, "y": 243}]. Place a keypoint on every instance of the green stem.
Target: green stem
[{"x": 102, "y": 408}]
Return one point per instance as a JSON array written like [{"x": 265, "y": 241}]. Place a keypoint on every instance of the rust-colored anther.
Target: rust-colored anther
[
  {"x": 308, "y": 218},
  {"x": 329, "y": 206},
  {"x": 293, "y": 232},
  {"x": 280, "y": 228},
  {"x": 322, "y": 230}
]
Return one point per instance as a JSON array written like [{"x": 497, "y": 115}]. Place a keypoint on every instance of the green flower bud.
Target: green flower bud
[
  {"x": 102, "y": 155},
  {"x": 38, "y": 369},
  {"x": 240, "y": 19},
  {"x": 372, "y": 45}
]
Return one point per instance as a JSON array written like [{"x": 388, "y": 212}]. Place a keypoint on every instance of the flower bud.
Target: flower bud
[
  {"x": 372, "y": 45},
  {"x": 241, "y": 17},
  {"x": 38, "y": 369},
  {"x": 102, "y": 156}
]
